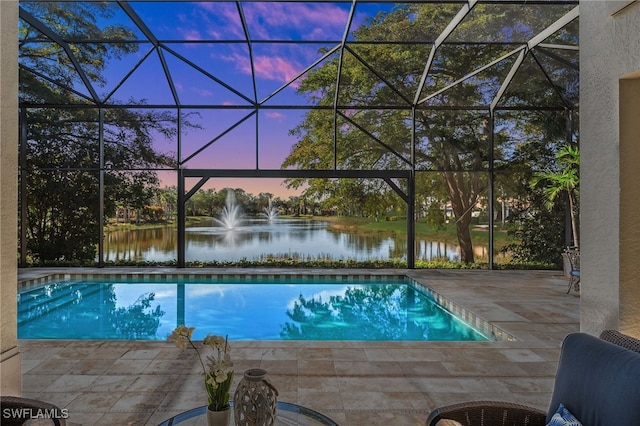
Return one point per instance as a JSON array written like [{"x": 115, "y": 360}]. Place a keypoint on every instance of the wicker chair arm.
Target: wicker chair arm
[
  {"x": 494, "y": 413},
  {"x": 16, "y": 410},
  {"x": 621, "y": 339}
]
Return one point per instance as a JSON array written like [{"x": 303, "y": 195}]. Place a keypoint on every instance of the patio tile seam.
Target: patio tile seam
[
  {"x": 382, "y": 411},
  {"x": 121, "y": 410}
]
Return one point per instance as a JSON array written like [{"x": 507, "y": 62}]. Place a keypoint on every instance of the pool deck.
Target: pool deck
[{"x": 354, "y": 383}]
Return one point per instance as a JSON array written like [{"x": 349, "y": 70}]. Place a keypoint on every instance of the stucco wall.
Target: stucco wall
[
  {"x": 609, "y": 51},
  {"x": 10, "y": 356}
]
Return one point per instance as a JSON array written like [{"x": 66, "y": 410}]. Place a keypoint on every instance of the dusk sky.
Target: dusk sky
[
  {"x": 274, "y": 27},
  {"x": 211, "y": 62}
]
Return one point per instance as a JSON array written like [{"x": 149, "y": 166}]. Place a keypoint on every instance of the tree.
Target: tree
[
  {"x": 454, "y": 144},
  {"x": 539, "y": 231},
  {"x": 166, "y": 199},
  {"x": 62, "y": 150},
  {"x": 564, "y": 180}
]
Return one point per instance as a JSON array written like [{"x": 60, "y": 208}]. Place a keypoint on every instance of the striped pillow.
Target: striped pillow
[{"x": 563, "y": 417}]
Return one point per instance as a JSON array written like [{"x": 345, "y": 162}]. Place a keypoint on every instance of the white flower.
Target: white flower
[
  {"x": 212, "y": 381},
  {"x": 181, "y": 336},
  {"x": 218, "y": 376},
  {"x": 221, "y": 376}
]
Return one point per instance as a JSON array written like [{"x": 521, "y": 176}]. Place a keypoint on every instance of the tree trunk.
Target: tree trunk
[
  {"x": 574, "y": 220},
  {"x": 462, "y": 203},
  {"x": 464, "y": 239}
]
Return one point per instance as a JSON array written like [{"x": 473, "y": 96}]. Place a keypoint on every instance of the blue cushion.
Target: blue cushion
[
  {"x": 563, "y": 417},
  {"x": 598, "y": 381}
]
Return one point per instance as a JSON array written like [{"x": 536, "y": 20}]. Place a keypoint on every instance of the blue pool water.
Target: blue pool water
[{"x": 292, "y": 309}]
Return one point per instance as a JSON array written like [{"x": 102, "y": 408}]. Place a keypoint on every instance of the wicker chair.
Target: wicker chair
[
  {"x": 16, "y": 411},
  {"x": 591, "y": 374},
  {"x": 573, "y": 254},
  {"x": 621, "y": 339},
  {"x": 493, "y": 413}
]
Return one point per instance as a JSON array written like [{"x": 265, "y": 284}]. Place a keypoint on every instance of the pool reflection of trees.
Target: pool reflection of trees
[
  {"x": 60, "y": 310},
  {"x": 380, "y": 312}
]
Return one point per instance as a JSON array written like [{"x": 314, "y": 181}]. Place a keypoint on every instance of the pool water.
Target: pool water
[{"x": 290, "y": 309}]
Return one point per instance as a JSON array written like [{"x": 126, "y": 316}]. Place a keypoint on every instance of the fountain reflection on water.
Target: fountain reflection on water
[{"x": 231, "y": 216}]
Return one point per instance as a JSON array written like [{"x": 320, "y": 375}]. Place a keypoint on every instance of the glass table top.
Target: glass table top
[{"x": 287, "y": 414}]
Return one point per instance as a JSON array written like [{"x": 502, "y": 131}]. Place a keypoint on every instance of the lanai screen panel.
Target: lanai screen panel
[{"x": 238, "y": 85}]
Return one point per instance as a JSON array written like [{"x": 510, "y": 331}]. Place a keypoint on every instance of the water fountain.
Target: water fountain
[
  {"x": 270, "y": 212},
  {"x": 231, "y": 216}
]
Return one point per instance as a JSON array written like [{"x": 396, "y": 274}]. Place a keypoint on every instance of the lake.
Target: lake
[{"x": 257, "y": 238}]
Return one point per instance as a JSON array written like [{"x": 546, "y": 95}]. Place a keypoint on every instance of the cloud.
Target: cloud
[
  {"x": 295, "y": 20},
  {"x": 241, "y": 61},
  {"x": 274, "y": 115},
  {"x": 190, "y": 34},
  {"x": 276, "y": 68},
  {"x": 204, "y": 93},
  {"x": 269, "y": 21},
  {"x": 221, "y": 19}
]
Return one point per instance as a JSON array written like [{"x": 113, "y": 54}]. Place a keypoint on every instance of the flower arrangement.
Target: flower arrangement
[{"x": 219, "y": 374}]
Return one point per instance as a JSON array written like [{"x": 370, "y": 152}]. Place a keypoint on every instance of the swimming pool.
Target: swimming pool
[{"x": 244, "y": 307}]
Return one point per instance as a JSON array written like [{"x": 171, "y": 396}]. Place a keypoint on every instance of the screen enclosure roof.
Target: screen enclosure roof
[{"x": 256, "y": 54}]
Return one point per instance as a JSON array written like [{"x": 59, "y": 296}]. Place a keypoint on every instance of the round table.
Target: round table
[{"x": 287, "y": 414}]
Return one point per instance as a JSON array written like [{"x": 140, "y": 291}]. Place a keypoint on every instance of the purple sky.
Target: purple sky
[
  {"x": 211, "y": 36},
  {"x": 276, "y": 64}
]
